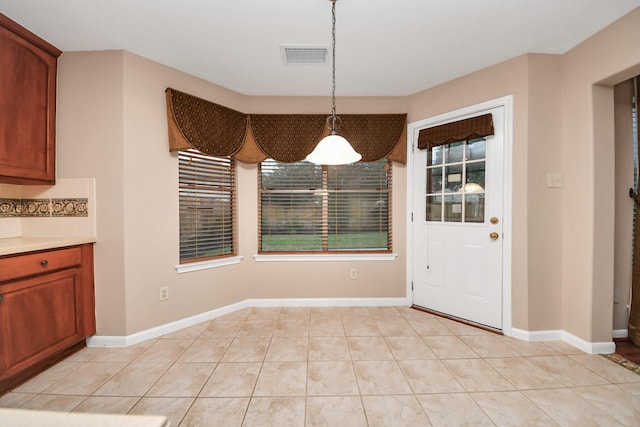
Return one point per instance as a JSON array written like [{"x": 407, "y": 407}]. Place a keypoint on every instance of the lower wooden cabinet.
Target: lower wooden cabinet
[{"x": 46, "y": 308}]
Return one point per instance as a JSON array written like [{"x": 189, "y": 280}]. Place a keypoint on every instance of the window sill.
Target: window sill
[
  {"x": 211, "y": 263},
  {"x": 325, "y": 257}
]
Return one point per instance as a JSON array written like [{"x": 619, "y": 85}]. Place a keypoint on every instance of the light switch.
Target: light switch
[{"x": 554, "y": 180}]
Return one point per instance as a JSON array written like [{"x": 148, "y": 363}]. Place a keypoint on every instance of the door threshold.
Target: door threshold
[{"x": 459, "y": 320}]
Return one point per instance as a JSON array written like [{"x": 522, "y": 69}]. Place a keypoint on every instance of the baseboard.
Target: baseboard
[
  {"x": 167, "y": 328},
  {"x": 620, "y": 333},
  {"x": 561, "y": 335}
]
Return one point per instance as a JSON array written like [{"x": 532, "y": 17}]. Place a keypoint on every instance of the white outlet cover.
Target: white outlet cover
[{"x": 554, "y": 180}]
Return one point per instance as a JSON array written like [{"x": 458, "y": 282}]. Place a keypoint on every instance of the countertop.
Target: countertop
[
  {"x": 30, "y": 418},
  {"x": 16, "y": 245}
]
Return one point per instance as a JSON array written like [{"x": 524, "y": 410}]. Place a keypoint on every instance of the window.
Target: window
[
  {"x": 456, "y": 181},
  {"x": 317, "y": 209},
  {"x": 207, "y": 188}
]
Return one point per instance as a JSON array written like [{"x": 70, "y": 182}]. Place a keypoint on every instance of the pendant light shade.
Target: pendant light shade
[{"x": 333, "y": 149}]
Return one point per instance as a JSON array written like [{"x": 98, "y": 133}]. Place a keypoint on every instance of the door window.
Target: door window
[{"x": 455, "y": 190}]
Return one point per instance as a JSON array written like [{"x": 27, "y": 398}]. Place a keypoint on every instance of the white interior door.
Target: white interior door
[{"x": 458, "y": 226}]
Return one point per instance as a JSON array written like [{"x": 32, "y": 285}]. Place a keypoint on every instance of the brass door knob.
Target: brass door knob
[{"x": 494, "y": 236}]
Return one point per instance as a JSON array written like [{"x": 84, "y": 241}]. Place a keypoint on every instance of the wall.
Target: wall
[
  {"x": 623, "y": 94},
  {"x": 113, "y": 126}
]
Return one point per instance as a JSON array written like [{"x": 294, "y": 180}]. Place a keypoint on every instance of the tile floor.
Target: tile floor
[{"x": 340, "y": 366}]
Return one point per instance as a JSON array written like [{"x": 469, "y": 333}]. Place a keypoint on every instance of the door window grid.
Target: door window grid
[{"x": 455, "y": 182}]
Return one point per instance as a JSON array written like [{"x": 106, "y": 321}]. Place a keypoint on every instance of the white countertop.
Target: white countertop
[{"x": 16, "y": 245}]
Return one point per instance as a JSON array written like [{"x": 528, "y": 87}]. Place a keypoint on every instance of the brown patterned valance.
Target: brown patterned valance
[
  {"x": 474, "y": 127},
  {"x": 251, "y": 138}
]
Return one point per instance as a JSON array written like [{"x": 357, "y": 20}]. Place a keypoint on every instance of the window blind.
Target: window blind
[
  {"x": 311, "y": 208},
  {"x": 207, "y": 192}
]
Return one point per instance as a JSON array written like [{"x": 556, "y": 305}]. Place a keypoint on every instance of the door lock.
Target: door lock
[{"x": 494, "y": 236}]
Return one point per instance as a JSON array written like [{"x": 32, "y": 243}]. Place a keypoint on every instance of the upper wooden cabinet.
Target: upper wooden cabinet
[{"x": 27, "y": 106}]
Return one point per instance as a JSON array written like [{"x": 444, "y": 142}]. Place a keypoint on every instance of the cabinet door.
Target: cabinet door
[
  {"x": 27, "y": 108},
  {"x": 38, "y": 318}
]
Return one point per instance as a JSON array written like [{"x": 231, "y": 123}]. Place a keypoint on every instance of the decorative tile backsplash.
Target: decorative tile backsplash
[{"x": 43, "y": 208}]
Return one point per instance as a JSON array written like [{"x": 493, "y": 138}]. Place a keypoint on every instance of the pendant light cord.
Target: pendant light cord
[{"x": 333, "y": 66}]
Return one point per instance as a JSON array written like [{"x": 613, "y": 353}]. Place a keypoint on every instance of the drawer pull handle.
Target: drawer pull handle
[
  {"x": 44, "y": 263},
  {"x": 1, "y": 298}
]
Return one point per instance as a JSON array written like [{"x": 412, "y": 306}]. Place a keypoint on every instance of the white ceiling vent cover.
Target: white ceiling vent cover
[{"x": 305, "y": 54}]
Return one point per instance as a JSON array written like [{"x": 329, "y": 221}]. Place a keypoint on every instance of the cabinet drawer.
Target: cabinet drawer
[{"x": 18, "y": 266}]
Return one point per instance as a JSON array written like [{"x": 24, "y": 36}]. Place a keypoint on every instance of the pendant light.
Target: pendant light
[{"x": 333, "y": 149}]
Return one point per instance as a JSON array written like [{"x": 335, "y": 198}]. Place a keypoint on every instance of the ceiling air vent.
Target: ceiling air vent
[{"x": 305, "y": 54}]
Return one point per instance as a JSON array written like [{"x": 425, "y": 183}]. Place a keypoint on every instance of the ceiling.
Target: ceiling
[{"x": 384, "y": 48}]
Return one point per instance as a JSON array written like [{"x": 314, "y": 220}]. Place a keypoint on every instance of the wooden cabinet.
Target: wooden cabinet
[
  {"x": 27, "y": 106},
  {"x": 46, "y": 309}
]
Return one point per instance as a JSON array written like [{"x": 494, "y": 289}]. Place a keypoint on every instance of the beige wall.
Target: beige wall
[
  {"x": 112, "y": 115},
  {"x": 623, "y": 94}
]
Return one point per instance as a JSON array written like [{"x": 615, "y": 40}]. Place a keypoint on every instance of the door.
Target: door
[{"x": 457, "y": 226}]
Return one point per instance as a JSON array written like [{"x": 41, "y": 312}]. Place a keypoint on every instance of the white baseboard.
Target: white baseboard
[
  {"x": 561, "y": 335},
  {"x": 620, "y": 333},
  {"x": 155, "y": 332}
]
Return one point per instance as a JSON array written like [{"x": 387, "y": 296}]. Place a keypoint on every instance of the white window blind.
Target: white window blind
[
  {"x": 207, "y": 189},
  {"x": 309, "y": 208}
]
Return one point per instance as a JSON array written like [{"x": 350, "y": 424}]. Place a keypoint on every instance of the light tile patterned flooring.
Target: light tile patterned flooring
[{"x": 340, "y": 366}]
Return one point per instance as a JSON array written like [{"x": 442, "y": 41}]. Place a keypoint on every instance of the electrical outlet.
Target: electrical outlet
[
  {"x": 164, "y": 293},
  {"x": 353, "y": 274}
]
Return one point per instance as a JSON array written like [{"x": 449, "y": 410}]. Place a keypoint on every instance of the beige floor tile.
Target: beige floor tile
[
  {"x": 350, "y": 312},
  {"x": 449, "y": 347},
  {"x": 462, "y": 329},
  {"x": 107, "y": 404},
  {"x": 165, "y": 350},
  {"x": 335, "y": 411},
  {"x": 394, "y": 326},
  {"x": 222, "y": 329},
  {"x": 631, "y": 388},
  {"x": 523, "y": 374},
  {"x": 335, "y": 378},
  {"x": 380, "y": 377},
  {"x": 369, "y": 348},
  {"x": 232, "y": 380},
  {"x": 182, "y": 380},
  {"x": 563, "y": 347},
  {"x": 293, "y": 349},
  {"x": 86, "y": 379},
  {"x": 295, "y": 313},
  {"x": 291, "y": 328},
  {"x": 615, "y": 401},
  {"x": 409, "y": 348},
  {"x": 15, "y": 400},
  {"x": 326, "y": 327},
  {"x": 325, "y": 312},
  {"x": 429, "y": 326},
  {"x": 264, "y": 313},
  {"x": 247, "y": 350},
  {"x": 85, "y": 355},
  {"x": 567, "y": 407},
  {"x": 383, "y": 312},
  {"x": 394, "y": 411},
  {"x": 512, "y": 409},
  {"x": 360, "y": 326},
  {"x": 477, "y": 375},
  {"x": 49, "y": 377},
  {"x": 282, "y": 379},
  {"x": 123, "y": 354},
  {"x": 489, "y": 346},
  {"x": 450, "y": 410},
  {"x": 216, "y": 412},
  {"x": 408, "y": 313},
  {"x": 571, "y": 373},
  {"x": 328, "y": 348},
  {"x": 241, "y": 315},
  {"x": 429, "y": 376},
  {"x": 206, "y": 350},
  {"x": 53, "y": 402},
  {"x": 606, "y": 368},
  {"x": 174, "y": 408},
  {"x": 134, "y": 379},
  {"x": 257, "y": 328},
  {"x": 525, "y": 348},
  {"x": 191, "y": 332},
  {"x": 275, "y": 411}
]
